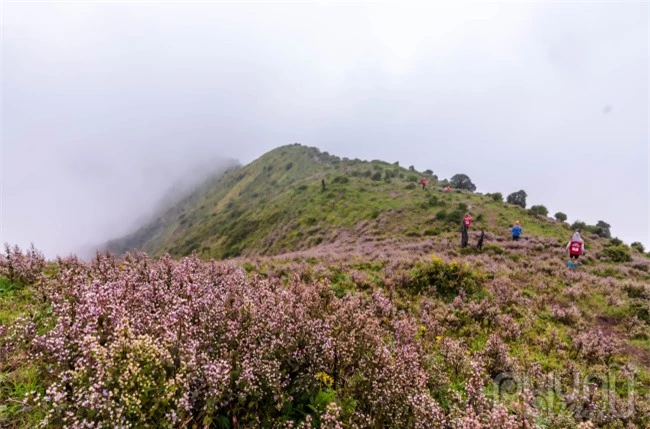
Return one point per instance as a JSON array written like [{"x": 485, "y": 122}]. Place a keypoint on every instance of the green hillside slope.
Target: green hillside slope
[{"x": 276, "y": 204}]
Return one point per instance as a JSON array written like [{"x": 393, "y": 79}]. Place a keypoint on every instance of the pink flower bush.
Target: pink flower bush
[
  {"x": 318, "y": 339},
  {"x": 19, "y": 266}
]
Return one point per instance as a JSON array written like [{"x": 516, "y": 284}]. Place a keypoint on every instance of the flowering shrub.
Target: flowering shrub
[
  {"x": 22, "y": 267},
  {"x": 569, "y": 314},
  {"x": 169, "y": 342},
  {"x": 594, "y": 345}
]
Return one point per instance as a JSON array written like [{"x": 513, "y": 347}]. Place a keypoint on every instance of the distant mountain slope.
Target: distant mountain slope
[{"x": 276, "y": 204}]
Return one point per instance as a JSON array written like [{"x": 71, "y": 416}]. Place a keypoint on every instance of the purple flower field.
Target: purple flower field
[{"x": 364, "y": 336}]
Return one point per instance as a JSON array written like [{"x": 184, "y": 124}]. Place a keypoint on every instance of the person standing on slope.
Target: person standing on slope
[
  {"x": 479, "y": 245},
  {"x": 423, "y": 182},
  {"x": 575, "y": 248},
  {"x": 467, "y": 221},
  {"x": 464, "y": 237},
  {"x": 516, "y": 231}
]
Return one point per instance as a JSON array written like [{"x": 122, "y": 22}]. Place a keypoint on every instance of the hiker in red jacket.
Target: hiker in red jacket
[
  {"x": 467, "y": 221},
  {"x": 424, "y": 182},
  {"x": 575, "y": 248}
]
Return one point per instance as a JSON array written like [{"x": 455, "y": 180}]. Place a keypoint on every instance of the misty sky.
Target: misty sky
[{"x": 106, "y": 106}]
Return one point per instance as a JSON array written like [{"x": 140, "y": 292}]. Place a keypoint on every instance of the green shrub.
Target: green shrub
[
  {"x": 609, "y": 272},
  {"x": 412, "y": 178},
  {"x": 341, "y": 179},
  {"x": 494, "y": 249},
  {"x": 376, "y": 176},
  {"x": 447, "y": 279},
  {"x": 641, "y": 309},
  {"x": 617, "y": 254},
  {"x": 289, "y": 166},
  {"x": 462, "y": 207},
  {"x": 302, "y": 187},
  {"x": 615, "y": 242},
  {"x": 431, "y": 231},
  {"x": 411, "y": 186},
  {"x": 433, "y": 201},
  {"x": 579, "y": 225},
  {"x": 539, "y": 210},
  {"x": 497, "y": 196},
  {"x": 638, "y": 247},
  {"x": 456, "y": 217},
  {"x": 441, "y": 215},
  {"x": 310, "y": 221}
]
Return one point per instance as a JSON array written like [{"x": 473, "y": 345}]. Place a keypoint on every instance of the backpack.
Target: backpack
[{"x": 575, "y": 248}]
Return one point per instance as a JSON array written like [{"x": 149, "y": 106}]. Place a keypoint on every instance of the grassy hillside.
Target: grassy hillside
[{"x": 276, "y": 204}]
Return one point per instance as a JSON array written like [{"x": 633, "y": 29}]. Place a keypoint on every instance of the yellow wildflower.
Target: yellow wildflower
[{"x": 326, "y": 379}]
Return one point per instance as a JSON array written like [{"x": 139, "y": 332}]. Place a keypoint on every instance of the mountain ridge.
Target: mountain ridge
[{"x": 276, "y": 204}]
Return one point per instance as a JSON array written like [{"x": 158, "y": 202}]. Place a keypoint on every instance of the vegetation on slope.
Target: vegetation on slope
[
  {"x": 277, "y": 204},
  {"x": 370, "y": 334}
]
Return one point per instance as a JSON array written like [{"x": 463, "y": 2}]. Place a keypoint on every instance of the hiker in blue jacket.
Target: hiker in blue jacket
[{"x": 516, "y": 231}]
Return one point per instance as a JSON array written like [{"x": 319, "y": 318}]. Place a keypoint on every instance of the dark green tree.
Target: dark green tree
[
  {"x": 561, "y": 216},
  {"x": 518, "y": 198},
  {"x": 462, "y": 181},
  {"x": 602, "y": 229}
]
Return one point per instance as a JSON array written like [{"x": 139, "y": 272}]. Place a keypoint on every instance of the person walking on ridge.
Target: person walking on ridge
[
  {"x": 516, "y": 231},
  {"x": 575, "y": 248}
]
